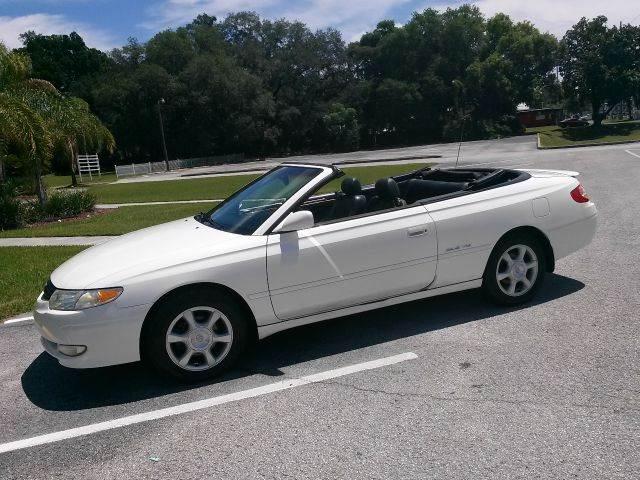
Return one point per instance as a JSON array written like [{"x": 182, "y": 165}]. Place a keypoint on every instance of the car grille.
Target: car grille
[{"x": 49, "y": 288}]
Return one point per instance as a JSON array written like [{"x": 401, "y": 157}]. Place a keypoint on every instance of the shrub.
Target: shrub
[
  {"x": 482, "y": 129},
  {"x": 9, "y": 205},
  {"x": 63, "y": 204},
  {"x": 30, "y": 212}
]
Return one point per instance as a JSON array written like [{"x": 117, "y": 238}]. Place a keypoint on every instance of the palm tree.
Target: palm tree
[
  {"x": 75, "y": 123},
  {"x": 21, "y": 128},
  {"x": 35, "y": 117}
]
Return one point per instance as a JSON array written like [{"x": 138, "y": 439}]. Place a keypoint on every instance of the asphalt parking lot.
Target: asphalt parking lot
[{"x": 549, "y": 390}]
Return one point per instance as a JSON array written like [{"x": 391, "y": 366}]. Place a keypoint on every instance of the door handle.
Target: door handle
[{"x": 417, "y": 231}]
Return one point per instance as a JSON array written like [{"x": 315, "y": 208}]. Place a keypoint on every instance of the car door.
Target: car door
[
  {"x": 470, "y": 225},
  {"x": 354, "y": 261}
]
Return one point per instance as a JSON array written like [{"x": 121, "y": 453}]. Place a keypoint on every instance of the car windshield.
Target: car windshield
[{"x": 248, "y": 208}]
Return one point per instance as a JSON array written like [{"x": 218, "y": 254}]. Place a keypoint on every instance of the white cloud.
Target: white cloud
[
  {"x": 173, "y": 13},
  {"x": 557, "y": 16},
  {"x": 352, "y": 17},
  {"x": 48, "y": 24}
]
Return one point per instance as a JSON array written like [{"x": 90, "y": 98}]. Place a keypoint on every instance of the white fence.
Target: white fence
[
  {"x": 153, "y": 167},
  {"x": 88, "y": 164}
]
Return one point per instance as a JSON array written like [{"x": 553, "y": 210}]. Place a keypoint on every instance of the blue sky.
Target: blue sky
[{"x": 106, "y": 24}]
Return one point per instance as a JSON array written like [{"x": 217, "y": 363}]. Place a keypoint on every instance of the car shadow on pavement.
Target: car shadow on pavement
[{"x": 52, "y": 387}]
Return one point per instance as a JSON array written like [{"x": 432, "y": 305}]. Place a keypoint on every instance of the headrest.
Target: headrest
[
  {"x": 387, "y": 188},
  {"x": 351, "y": 186}
]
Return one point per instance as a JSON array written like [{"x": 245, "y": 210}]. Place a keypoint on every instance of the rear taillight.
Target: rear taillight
[{"x": 579, "y": 195}]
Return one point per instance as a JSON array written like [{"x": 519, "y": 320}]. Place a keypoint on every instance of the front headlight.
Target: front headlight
[{"x": 81, "y": 299}]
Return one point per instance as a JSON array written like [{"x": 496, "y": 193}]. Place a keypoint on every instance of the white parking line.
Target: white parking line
[
  {"x": 201, "y": 404},
  {"x": 631, "y": 153},
  {"x": 18, "y": 320}
]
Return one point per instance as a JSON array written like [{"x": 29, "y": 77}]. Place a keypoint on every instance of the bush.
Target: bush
[
  {"x": 482, "y": 129},
  {"x": 15, "y": 213},
  {"x": 9, "y": 206},
  {"x": 64, "y": 204},
  {"x": 30, "y": 212}
]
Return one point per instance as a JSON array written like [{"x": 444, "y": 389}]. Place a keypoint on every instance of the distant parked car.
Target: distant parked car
[{"x": 574, "y": 121}]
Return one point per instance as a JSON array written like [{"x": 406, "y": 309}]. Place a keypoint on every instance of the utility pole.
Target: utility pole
[{"x": 164, "y": 143}]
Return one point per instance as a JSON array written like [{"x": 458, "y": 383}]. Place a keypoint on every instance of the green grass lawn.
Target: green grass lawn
[
  {"x": 24, "y": 272},
  {"x": 159, "y": 191},
  {"x": 220, "y": 187},
  {"x": 607, "y": 133},
  {"x": 113, "y": 222},
  {"x": 546, "y": 128},
  {"x": 56, "y": 181}
]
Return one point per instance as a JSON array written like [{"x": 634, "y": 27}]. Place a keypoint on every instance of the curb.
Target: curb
[
  {"x": 107, "y": 206},
  {"x": 591, "y": 144}
]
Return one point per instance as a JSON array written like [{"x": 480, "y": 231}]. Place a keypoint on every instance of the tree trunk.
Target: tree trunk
[
  {"x": 3, "y": 152},
  {"x": 40, "y": 189},
  {"x": 597, "y": 116},
  {"x": 595, "y": 113},
  {"x": 74, "y": 179}
]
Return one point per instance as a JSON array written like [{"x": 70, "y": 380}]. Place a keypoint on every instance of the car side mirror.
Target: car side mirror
[{"x": 296, "y": 221}]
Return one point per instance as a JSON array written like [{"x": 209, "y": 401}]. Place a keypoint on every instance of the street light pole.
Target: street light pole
[{"x": 164, "y": 143}]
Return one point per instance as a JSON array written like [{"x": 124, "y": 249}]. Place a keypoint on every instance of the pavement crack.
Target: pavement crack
[{"x": 452, "y": 398}]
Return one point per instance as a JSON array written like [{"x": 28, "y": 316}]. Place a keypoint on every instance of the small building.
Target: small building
[{"x": 539, "y": 117}]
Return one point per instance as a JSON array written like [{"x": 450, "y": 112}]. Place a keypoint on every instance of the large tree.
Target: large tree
[
  {"x": 423, "y": 78},
  {"x": 599, "y": 64},
  {"x": 241, "y": 85},
  {"x": 63, "y": 60}
]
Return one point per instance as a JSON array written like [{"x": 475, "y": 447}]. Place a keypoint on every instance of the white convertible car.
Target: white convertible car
[{"x": 189, "y": 296}]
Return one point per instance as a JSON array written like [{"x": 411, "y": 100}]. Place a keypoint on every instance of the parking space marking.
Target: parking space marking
[
  {"x": 202, "y": 404},
  {"x": 631, "y": 153},
  {"x": 18, "y": 320}
]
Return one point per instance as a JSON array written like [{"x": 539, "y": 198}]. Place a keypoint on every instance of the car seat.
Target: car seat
[
  {"x": 387, "y": 195},
  {"x": 349, "y": 201}
]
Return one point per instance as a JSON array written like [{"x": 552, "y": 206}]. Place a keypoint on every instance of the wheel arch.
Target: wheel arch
[
  {"x": 214, "y": 288},
  {"x": 540, "y": 236}
]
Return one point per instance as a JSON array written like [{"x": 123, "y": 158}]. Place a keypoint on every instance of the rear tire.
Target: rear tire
[
  {"x": 515, "y": 270},
  {"x": 195, "y": 335}
]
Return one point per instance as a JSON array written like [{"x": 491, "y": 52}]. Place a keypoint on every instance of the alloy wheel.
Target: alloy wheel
[
  {"x": 199, "y": 338},
  {"x": 517, "y": 270}
]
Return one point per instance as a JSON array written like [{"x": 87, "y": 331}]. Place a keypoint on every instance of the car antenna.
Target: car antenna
[{"x": 464, "y": 118}]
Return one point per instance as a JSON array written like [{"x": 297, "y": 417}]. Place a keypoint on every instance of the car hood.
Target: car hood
[{"x": 110, "y": 264}]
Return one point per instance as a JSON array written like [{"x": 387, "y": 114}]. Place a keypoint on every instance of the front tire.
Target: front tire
[
  {"x": 515, "y": 270},
  {"x": 195, "y": 335}
]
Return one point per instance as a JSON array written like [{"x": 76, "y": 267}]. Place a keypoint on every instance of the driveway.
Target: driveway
[{"x": 449, "y": 387}]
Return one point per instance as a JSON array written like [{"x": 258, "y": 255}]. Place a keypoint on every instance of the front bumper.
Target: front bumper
[{"x": 110, "y": 334}]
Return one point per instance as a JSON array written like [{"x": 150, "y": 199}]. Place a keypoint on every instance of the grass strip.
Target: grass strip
[
  {"x": 607, "y": 133},
  {"x": 110, "y": 222},
  {"x": 24, "y": 272}
]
